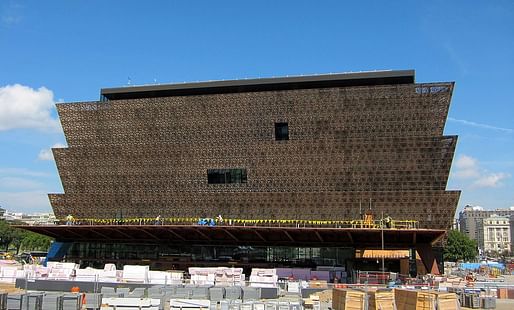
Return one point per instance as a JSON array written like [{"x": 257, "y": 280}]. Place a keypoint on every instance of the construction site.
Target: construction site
[
  {"x": 319, "y": 191},
  {"x": 292, "y": 171},
  {"x": 66, "y": 286}
]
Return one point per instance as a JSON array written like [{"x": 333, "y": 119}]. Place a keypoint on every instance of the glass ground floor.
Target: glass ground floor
[
  {"x": 169, "y": 257},
  {"x": 161, "y": 256}
]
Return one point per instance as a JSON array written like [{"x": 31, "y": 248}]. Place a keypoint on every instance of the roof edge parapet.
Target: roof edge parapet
[{"x": 368, "y": 78}]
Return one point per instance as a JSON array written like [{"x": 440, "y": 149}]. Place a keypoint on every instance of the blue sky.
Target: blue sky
[{"x": 53, "y": 51}]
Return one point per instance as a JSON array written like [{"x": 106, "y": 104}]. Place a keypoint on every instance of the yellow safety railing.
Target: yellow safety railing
[{"x": 376, "y": 224}]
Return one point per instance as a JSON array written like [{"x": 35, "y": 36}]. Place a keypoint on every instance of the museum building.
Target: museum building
[{"x": 287, "y": 167}]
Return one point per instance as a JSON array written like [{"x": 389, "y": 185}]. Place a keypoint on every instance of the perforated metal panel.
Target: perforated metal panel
[{"x": 347, "y": 146}]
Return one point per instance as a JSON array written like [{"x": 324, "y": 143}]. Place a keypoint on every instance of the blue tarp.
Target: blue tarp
[
  {"x": 206, "y": 221},
  {"x": 57, "y": 251},
  {"x": 474, "y": 266}
]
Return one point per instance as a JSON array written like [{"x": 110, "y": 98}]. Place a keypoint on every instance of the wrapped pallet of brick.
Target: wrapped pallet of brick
[
  {"x": 381, "y": 300},
  {"x": 425, "y": 300},
  {"x": 502, "y": 293},
  {"x": 135, "y": 273},
  {"x": 414, "y": 300},
  {"x": 346, "y": 299},
  {"x": 447, "y": 301},
  {"x": 263, "y": 277}
]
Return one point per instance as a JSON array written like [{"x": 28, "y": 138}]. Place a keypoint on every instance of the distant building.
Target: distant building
[
  {"x": 511, "y": 232},
  {"x": 29, "y": 219},
  {"x": 471, "y": 221},
  {"x": 39, "y": 219},
  {"x": 497, "y": 234},
  {"x": 12, "y": 216}
]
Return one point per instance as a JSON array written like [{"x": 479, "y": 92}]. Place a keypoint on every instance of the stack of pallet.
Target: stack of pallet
[
  {"x": 135, "y": 273},
  {"x": 323, "y": 296},
  {"x": 110, "y": 274},
  {"x": 471, "y": 300},
  {"x": 202, "y": 276},
  {"x": 414, "y": 300},
  {"x": 164, "y": 277},
  {"x": 447, "y": 301},
  {"x": 263, "y": 277},
  {"x": 346, "y": 299},
  {"x": 130, "y": 303},
  {"x": 61, "y": 271},
  {"x": 88, "y": 274},
  {"x": 425, "y": 300},
  {"x": 505, "y": 293},
  {"x": 381, "y": 300},
  {"x": 318, "y": 284}
]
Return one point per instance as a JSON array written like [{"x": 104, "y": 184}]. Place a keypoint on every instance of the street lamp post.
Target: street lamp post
[{"x": 382, "y": 237}]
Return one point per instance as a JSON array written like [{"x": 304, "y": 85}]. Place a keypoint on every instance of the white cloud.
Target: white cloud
[
  {"x": 27, "y": 202},
  {"x": 17, "y": 183},
  {"x": 11, "y": 13},
  {"x": 491, "y": 180},
  {"x": 456, "y": 58},
  {"x": 468, "y": 168},
  {"x": 466, "y": 162},
  {"x": 24, "y": 107},
  {"x": 10, "y": 19},
  {"x": 24, "y": 190},
  {"x": 23, "y": 172},
  {"x": 479, "y": 125},
  {"x": 466, "y": 174},
  {"x": 46, "y": 154}
]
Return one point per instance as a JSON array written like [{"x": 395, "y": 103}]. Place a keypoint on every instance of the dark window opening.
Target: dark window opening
[
  {"x": 223, "y": 176},
  {"x": 281, "y": 131}
]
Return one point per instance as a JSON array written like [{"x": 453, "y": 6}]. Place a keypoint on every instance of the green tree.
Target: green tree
[
  {"x": 36, "y": 242},
  {"x": 17, "y": 238},
  {"x": 22, "y": 239},
  {"x": 6, "y": 235},
  {"x": 459, "y": 247}
]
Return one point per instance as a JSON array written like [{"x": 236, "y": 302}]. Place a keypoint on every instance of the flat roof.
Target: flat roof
[
  {"x": 241, "y": 235},
  {"x": 262, "y": 84}
]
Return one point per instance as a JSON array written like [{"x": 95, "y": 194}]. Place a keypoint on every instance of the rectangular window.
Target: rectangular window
[
  {"x": 281, "y": 131},
  {"x": 224, "y": 176}
]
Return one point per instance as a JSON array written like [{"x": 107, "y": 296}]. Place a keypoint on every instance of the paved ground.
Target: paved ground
[
  {"x": 505, "y": 304},
  {"x": 509, "y": 278},
  {"x": 501, "y": 304}
]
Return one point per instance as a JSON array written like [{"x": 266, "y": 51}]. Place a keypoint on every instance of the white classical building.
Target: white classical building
[
  {"x": 471, "y": 222},
  {"x": 497, "y": 234}
]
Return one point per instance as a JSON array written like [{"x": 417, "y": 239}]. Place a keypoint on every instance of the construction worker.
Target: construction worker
[
  {"x": 368, "y": 219},
  {"x": 388, "y": 221},
  {"x": 69, "y": 220}
]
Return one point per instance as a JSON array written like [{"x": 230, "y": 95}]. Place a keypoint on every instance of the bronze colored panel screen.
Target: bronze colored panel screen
[{"x": 346, "y": 148}]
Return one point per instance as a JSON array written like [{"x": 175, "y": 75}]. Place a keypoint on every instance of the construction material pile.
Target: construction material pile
[
  {"x": 263, "y": 278},
  {"x": 219, "y": 276},
  {"x": 400, "y": 299}
]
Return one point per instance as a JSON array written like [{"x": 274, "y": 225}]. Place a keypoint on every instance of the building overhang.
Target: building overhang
[
  {"x": 388, "y": 77},
  {"x": 242, "y": 235}
]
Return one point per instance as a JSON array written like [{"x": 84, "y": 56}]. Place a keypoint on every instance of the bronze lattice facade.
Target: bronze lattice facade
[{"x": 307, "y": 150}]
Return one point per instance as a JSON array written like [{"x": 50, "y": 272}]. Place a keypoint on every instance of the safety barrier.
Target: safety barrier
[{"x": 375, "y": 224}]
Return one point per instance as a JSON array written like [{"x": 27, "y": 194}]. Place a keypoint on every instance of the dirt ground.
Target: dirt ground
[
  {"x": 9, "y": 288},
  {"x": 501, "y": 304}
]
